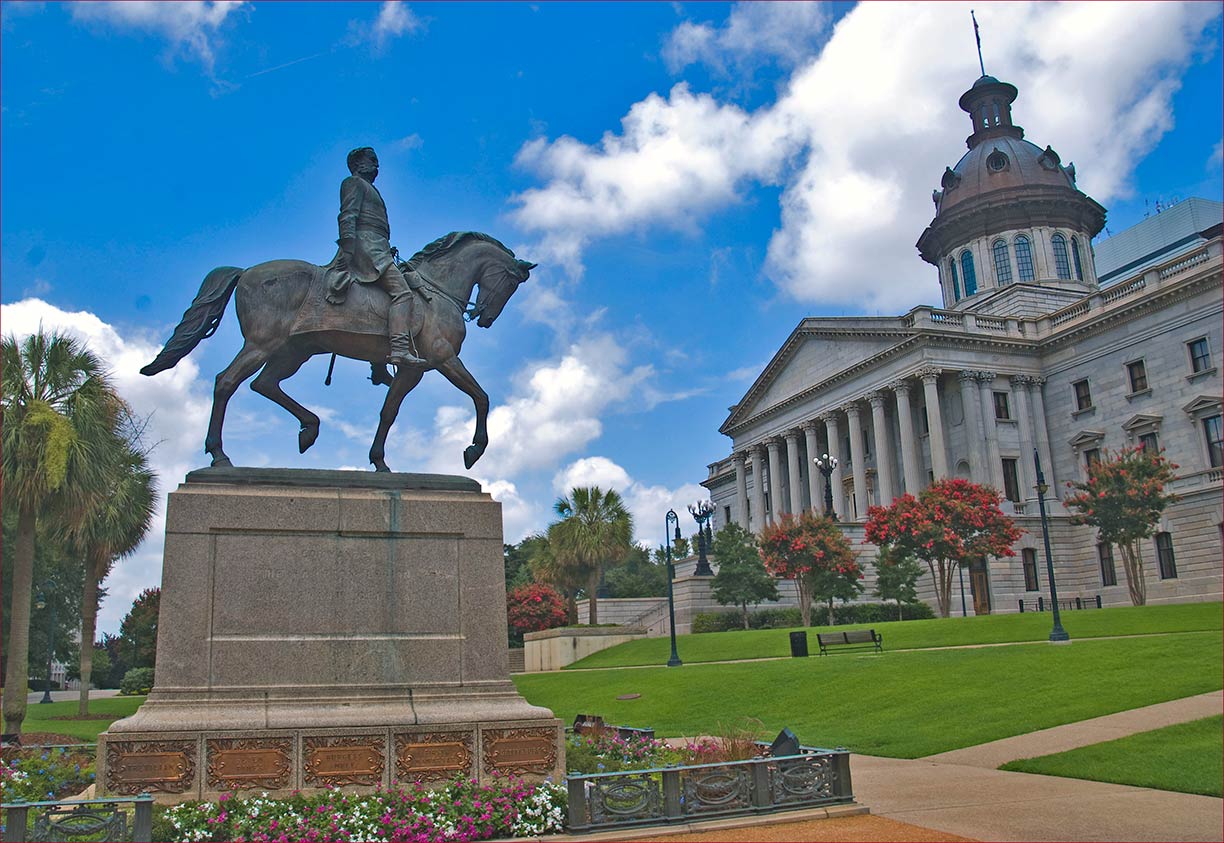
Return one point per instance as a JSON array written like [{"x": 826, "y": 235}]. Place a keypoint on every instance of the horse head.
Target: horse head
[{"x": 497, "y": 284}]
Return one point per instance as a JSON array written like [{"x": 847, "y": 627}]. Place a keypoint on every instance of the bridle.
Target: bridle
[{"x": 470, "y": 310}]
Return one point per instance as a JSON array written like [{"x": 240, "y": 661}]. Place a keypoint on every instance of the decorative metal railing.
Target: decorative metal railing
[
  {"x": 664, "y": 795},
  {"x": 95, "y": 819}
]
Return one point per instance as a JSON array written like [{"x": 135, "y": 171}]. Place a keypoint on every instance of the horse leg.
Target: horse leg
[
  {"x": 249, "y": 359},
  {"x": 455, "y": 372},
  {"x": 405, "y": 381},
  {"x": 284, "y": 364}
]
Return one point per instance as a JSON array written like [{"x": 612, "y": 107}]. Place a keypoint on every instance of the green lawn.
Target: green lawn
[
  {"x": 940, "y": 632},
  {"x": 1187, "y": 757},
  {"x": 41, "y": 718},
  {"x": 903, "y": 705}
]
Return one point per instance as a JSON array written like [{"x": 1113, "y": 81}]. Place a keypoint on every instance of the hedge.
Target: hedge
[{"x": 782, "y": 618}]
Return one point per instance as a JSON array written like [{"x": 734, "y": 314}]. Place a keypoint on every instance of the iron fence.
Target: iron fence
[{"x": 97, "y": 819}]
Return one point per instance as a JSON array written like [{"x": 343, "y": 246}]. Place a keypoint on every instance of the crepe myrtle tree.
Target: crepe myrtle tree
[
  {"x": 1124, "y": 497},
  {"x": 952, "y": 522},
  {"x": 812, "y": 551}
]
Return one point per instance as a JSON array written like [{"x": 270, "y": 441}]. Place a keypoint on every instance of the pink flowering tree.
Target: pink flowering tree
[
  {"x": 1124, "y": 497},
  {"x": 812, "y": 551},
  {"x": 534, "y": 607}
]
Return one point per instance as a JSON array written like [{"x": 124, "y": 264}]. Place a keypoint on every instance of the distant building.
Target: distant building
[{"x": 1038, "y": 345}]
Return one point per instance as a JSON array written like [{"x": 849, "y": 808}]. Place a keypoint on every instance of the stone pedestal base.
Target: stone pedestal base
[{"x": 327, "y": 628}]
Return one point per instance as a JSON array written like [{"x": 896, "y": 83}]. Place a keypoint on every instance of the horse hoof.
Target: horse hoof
[
  {"x": 222, "y": 462},
  {"x": 307, "y": 437},
  {"x": 380, "y": 465},
  {"x": 470, "y": 455}
]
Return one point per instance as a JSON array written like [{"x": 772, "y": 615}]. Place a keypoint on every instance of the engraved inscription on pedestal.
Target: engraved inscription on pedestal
[
  {"x": 245, "y": 763},
  {"x": 133, "y": 767},
  {"x": 520, "y": 751},
  {"x": 339, "y": 761},
  {"x": 433, "y": 756}
]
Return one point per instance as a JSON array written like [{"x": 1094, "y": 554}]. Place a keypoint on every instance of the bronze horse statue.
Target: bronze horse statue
[{"x": 285, "y": 321}]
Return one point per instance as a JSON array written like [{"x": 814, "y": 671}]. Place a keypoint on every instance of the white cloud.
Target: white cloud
[
  {"x": 395, "y": 18},
  {"x": 872, "y": 127},
  {"x": 177, "y": 403},
  {"x": 1217, "y": 156},
  {"x": 788, "y": 32},
  {"x": 189, "y": 27}
]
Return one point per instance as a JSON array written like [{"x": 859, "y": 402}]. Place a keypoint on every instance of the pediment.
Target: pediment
[
  {"x": 1202, "y": 404},
  {"x": 1140, "y": 421},
  {"x": 1087, "y": 439}
]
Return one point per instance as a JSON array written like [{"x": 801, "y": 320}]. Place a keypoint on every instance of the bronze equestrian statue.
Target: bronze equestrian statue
[{"x": 287, "y": 314}]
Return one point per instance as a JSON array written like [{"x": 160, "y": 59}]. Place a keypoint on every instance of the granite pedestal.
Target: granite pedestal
[{"x": 328, "y": 628}]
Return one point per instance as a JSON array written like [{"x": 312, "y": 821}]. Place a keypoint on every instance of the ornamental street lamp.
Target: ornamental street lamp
[
  {"x": 701, "y": 512},
  {"x": 1057, "y": 634},
  {"x": 670, "y": 519},
  {"x": 40, "y": 603},
  {"x": 827, "y": 464}
]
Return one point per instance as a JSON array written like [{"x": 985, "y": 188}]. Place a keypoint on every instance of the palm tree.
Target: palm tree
[
  {"x": 116, "y": 521},
  {"x": 595, "y": 530},
  {"x": 58, "y": 414}
]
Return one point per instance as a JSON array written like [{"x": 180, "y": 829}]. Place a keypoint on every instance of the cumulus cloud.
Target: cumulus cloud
[
  {"x": 786, "y": 32},
  {"x": 395, "y": 18},
  {"x": 860, "y": 133},
  {"x": 177, "y": 404},
  {"x": 190, "y": 28}
]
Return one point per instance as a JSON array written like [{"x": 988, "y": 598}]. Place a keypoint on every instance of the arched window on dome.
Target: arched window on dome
[
  {"x": 1062, "y": 263},
  {"x": 1024, "y": 258},
  {"x": 1002, "y": 262},
  {"x": 967, "y": 273},
  {"x": 955, "y": 282},
  {"x": 1075, "y": 259}
]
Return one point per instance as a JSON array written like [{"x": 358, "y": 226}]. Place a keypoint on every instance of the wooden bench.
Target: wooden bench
[{"x": 856, "y": 638}]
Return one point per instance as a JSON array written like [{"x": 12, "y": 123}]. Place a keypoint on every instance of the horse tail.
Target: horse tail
[{"x": 201, "y": 319}]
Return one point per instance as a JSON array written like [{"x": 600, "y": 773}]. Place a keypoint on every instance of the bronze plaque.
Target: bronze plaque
[
  {"x": 343, "y": 760},
  {"x": 520, "y": 751},
  {"x": 249, "y": 763},
  {"x": 166, "y": 766},
  {"x": 433, "y": 756}
]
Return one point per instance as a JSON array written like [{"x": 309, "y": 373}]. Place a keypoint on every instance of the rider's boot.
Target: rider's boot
[{"x": 399, "y": 320}]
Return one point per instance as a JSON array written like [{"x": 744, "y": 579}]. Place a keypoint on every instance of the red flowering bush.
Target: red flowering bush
[
  {"x": 952, "y": 522},
  {"x": 533, "y": 607},
  {"x": 813, "y": 552},
  {"x": 1124, "y": 497}
]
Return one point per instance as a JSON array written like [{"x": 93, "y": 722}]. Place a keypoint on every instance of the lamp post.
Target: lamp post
[
  {"x": 701, "y": 512},
  {"x": 670, "y": 519},
  {"x": 41, "y": 603},
  {"x": 960, "y": 569},
  {"x": 827, "y": 464},
  {"x": 1057, "y": 634}
]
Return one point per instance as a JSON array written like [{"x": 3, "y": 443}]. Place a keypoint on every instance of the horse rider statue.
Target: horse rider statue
[{"x": 366, "y": 255}]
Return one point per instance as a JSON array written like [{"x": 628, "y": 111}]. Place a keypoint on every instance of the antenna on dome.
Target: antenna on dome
[{"x": 978, "y": 36}]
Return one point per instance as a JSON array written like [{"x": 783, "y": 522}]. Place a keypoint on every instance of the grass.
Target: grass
[
  {"x": 42, "y": 718},
  {"x": 1187, "y": 757},
  {"x": 904, "y": 635},
  {"x": 903, "y": 705}
]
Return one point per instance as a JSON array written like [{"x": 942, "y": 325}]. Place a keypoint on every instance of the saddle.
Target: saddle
[{"x": 364, "y": 310}]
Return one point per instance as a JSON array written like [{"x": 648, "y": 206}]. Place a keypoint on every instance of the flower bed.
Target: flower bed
[
  {"x": 462, "y": 810},
  {"x": 36, "y": 774}
]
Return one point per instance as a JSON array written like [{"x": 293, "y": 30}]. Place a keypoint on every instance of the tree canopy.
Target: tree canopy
[
  {"x": 741, "y": 579},
  {"x": 811, "y": 550},
  {"x": 595, "y": 531}
]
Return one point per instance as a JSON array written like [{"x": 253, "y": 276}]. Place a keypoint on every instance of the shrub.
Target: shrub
[
  {"x": 38, "y": 775},
  {"x": 534, "y": 607},
  {"x": 881, "y": 612},
  {"x": 787, "y": 618},
  {"x": 138, "y": 680}
]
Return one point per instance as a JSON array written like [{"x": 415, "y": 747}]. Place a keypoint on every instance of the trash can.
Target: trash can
[{"x": 799, "y": 643}]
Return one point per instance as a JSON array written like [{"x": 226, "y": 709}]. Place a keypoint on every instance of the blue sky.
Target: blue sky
[{"x": 692, "y": 179}]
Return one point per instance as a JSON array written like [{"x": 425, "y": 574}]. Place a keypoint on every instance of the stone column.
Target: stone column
[
  {"x": 990, "y": 430},
  {"x": 972, "y": 404},
  {"x": 815, "y": 478},
  {"x": 883, "y": 443},
  {"x": 909, "y": 445},
  {"x": 1042, "y": 434},
  {"x": 833, "y": 436},
  {"x": 939, "y": 450},
  {"x": 858, "y": 461},
  {"x": 792, "y": 472},
  {"x": 758, "y": 488},
  {"x": 775, "y": 479},
  {"x": 1028, "y": 476},
  {"x": 741, "y": 490}
]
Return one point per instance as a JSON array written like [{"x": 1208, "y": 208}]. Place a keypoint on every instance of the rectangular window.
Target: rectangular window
[
  {"x": 1109, "y": 575},
  {"x": 1200, "y": 355},
  {"x": 1137, "y": 373},
  {"x": 866, "y": 443},
  {"x": 726, "y": 515},
  {"x": 1214, "y": 431},
  {"x": 1149, "y": 442},
  {"x": 926, "y": 421},
  {"x": 1002, "y": 406},
  {"x": 1164, "y": 556},
  {"x": 1083, "y": 396},
  {"x": 1011, "y": 483},
  {"x": 1091, "y": 457},
  {"x": 1030, "y": 569}
]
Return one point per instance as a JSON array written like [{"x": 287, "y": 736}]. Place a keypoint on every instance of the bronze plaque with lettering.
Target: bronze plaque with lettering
[
  {"x": 340, "y": 761},
  {"x": 133, "y": 767},
  {"x": 520, "y": 751},
  {"x": 245, "y": 763},
  {"x": 433, "y": 756}
]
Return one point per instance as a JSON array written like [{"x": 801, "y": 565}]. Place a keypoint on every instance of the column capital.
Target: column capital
[
  {"x": 810, "y": 425},
  {"x": 966, "y": 375},
  {"x": 773, "y": 443},
  {"x": 1023, "y": 380},
  {"x": 876, "y": 399},
  {"x": 793, "y": 434},
  {"x": 852, "y": 410},
  {"x": 756, "y": 449},
  {"x": 986, "y": 376},
  {"x": 1037, "y": 381},
  {"x": 827, "y": 416},
  {"x": 930, "y": 374},
  {"x": 739, "y": 457},
  {"x": 899, "y": 386}
]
